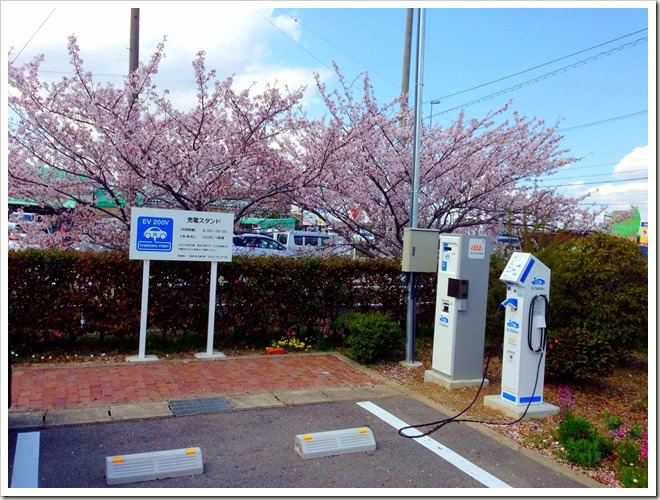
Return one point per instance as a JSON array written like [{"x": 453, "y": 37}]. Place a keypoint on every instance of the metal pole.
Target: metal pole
[
  {"x": 212, "y": 294},
  {"x": 134, "y": 50},
  {"x": 144, "y": 309},
  {"x": 412, "y": 302},
  {"x": 144, "y": 312}
]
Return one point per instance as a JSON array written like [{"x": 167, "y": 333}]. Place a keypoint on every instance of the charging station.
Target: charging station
[
  {"x": 523, "y": 356},
  {"x": 460, "y": 311}
]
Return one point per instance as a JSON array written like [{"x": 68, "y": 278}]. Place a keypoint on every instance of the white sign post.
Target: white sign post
[{"x": 185, "y": 236}]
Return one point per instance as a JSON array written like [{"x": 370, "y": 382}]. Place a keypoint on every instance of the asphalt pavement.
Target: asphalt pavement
[{"x": 244, "y": 414}]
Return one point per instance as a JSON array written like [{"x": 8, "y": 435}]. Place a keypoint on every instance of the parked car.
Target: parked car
[
  {"x": 508, "y": 243},
  {"x": 257, "y": 244},
  {"x": 16, "y": 237},
  {"x": 313, "y": 243},
  {"x": 22, "y": 217}
]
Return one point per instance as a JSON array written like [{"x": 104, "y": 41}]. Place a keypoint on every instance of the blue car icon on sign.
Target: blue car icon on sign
[
  {"x": 155, "y": 233},
  {"x": 538, "y": 281},
  {"x": 444, "y": 320},
  {"x": 513, "y": 324}
]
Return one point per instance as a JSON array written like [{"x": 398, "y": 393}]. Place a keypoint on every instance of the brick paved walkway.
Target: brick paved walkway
[{"x": 65, "y": 386}]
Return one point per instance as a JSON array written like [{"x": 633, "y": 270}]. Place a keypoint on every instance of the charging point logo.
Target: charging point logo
[
  {"x": 154, "y": 234},
  {"x": 513, "y": 328},
  {"x": 538, "y": 284}
]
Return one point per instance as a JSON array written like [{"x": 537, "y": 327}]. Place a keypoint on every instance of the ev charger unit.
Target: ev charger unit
[
  {"x": 523, "y": 356},
  {"x": 460, "y": 311}
]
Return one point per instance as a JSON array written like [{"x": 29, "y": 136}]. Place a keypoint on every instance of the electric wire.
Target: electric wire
[
  {"x": 439, "y": 424},
  {"x": 542, "y": 77},
  {"x": 371, "y": 71},
  {"x": 588, "y": 176},
  {"x": 607, "y": 120},
  {"x": 597, "y": 182},
  {"x": 540, "y": 65},
  {"x": 613, "y": 204},
  {"x": 35, "y": 34},
  {"x": 290, "y": 38}
]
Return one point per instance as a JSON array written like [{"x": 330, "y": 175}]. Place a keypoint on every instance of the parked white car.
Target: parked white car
[
  {"x": 257, "y": 244},
  {"x": 22, "y": 217},
  {"x": 17, "y": 237},
  {"x": 313, "y": 243}
]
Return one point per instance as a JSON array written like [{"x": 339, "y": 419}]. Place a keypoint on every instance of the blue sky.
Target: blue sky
[{"x": 589, "y": 66}]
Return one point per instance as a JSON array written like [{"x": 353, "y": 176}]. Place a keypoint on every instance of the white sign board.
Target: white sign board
[{"x": 181, "y": 235}]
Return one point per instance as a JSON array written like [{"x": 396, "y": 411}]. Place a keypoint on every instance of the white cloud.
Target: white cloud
[
  {"x": 236, "y": 37},
  {"x": 289, "y": 26},
  {"x": 620, "y": 195},
  {"x": 634, "y": 164}
]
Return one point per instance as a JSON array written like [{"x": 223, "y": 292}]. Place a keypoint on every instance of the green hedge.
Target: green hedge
[
  {"x": 258, "y": 299},
  {"x": 598, "y": 309}
]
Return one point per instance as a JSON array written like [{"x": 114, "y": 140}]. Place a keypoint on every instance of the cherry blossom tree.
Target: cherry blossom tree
[
  {"x": 243, "y": 152},
  {"x": 91, "y": 143},
  {"x": 476, "y": 175}
]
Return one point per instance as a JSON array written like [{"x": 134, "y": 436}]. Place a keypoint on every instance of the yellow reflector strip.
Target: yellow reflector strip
[
  {"x": 118, "y": 460},
  {"x": 307, "y": 437},
  {"x": 363, "y": 430},
  {"x": 190, "y": 452}
]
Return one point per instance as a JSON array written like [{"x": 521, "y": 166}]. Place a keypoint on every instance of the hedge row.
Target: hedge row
[
  {"x": 598, "y": 309},
  {"x": 63, "y": 293}
]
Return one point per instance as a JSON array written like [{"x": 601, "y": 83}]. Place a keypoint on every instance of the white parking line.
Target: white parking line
[
  {"x": 442, "y": 451},
  {"x": 26, "y": 461}
]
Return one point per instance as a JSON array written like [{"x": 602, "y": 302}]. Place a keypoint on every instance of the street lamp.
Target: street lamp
[{"x": 436, "y": 101}]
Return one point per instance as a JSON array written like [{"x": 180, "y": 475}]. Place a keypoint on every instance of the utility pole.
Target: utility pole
[
  {"x": 134, "y": 50},
  {"x": 412, "y": 299},
  {"x": 407, "y": 45}
]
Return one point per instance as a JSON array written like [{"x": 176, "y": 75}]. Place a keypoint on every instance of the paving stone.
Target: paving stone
[
  {"x": 301, "y": 397},
  {"x": 25, "y": 419},
  {"x": 78, "y": 416},
  {"x": 141, "y": 410},
  {"x": 253, "y": 400}
]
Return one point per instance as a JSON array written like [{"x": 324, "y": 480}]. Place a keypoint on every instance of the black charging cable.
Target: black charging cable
[{"x": 439, "y": 424}]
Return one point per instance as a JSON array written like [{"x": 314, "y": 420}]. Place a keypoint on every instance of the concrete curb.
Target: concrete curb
[{"x": 112, "y": 413}]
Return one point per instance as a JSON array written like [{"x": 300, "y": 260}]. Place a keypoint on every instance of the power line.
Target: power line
[
  {"x": 622, "y": 193},
  {"x": 541, "y": 65},
  {"x": 294, "y": 41},
  {"x": 605, "y": 121},
  {"x": 586, "y": 176},
  {"x": 614, "y": 204},
  {"x": 544, "y": 77},
  {"x": 566, "y": 167},
  {"x": 597, "y": 182},
  {"x": 336, "y": 47},
  {"x": 35, "y": 34},
  {"x": 73, "y": 73}
]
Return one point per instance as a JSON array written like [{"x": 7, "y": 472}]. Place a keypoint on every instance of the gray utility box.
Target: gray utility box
[{"x": 420, "y": 250}]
